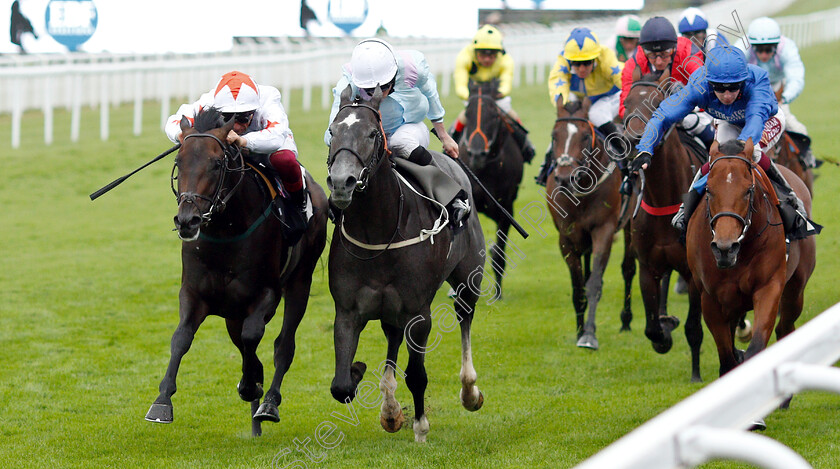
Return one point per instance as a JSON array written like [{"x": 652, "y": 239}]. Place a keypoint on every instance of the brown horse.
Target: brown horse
[
  {"x": 582, "y": 194},
  {"x": 786, "y": 153},
  {"x": 489, "y": 149},
  {"x": 236, "y": 263},
  {"x": 655, "y": 242},
  {"x": 737, "y": 255}
]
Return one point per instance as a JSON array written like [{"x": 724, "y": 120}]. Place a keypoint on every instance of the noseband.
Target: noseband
[
  {"x": 217, "y": 202},
  {"x": 380, "y": 150},
  {"x": 747, "y": 220}
]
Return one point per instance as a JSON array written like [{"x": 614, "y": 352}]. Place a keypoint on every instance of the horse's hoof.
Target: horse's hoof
[
  {"x": 160, "y": 413},
  {"x": 664, "y": 346},
  {"x": 588, "y": 341},
  {"x": 247, "y": 395},
  {"x": 681, "y": 287},
  {"x": 785, "y": 405},
  {"x": 267, "y": 412},
  {"x": 744, "y": 335},
  {"x": 669, "y": 323},
  {"x": 392, "y": 424},
  {"x": 472, "y": 406},
  {"x": 758, "y": 425},
  {"x": 625, "y": 327}
]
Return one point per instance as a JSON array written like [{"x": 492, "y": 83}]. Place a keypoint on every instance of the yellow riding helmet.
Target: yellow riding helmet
[
  {"x": 488, "y": 38},
  {"x": 581, "y": 45}
]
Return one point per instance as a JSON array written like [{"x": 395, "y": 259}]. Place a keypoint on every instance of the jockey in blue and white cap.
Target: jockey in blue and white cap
[
  {"x": 694, "y": 26},
  {"x": 740, "y": 99}
]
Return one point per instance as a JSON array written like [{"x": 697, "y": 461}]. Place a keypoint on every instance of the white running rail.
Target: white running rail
[{"x": 712, "y": 423}]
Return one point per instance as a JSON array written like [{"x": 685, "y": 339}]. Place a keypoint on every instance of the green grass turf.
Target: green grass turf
[
  {"x": 801, "y": 7},
  {"x": 88, "y": 302}
]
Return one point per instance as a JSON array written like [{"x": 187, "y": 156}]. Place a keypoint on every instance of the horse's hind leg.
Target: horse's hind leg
[
  {"x": 572, "y": 259},
  {"x": 417, "y": 335},
  {"x": 253, "y": 329},
  {"x": 628, "y": 271},
  {"x": 471, "y": 397},
  {"x": 192, "y": 316},
  {"x": 694, "y": 331},
  {"x": 391, "y": 415},
  {"x": 346, "y": 332}
]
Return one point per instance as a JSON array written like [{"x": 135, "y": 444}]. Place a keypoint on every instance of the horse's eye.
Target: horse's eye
[{"x": 372, "y": 135}]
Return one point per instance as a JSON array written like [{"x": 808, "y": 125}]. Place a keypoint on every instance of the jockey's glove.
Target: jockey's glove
[{"x": 640, "y": 160}]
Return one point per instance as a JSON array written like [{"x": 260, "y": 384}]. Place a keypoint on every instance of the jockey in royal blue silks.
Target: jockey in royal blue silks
[{"x": 742, "y": 102}]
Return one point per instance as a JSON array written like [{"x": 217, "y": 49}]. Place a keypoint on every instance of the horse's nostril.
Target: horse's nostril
[
  {"x": 351, "y": 183},
  {"x": 329, "y": 183},
  {"x": 194, "y": 221}
]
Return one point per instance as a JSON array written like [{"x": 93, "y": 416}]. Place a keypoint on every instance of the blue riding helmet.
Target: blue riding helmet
[
  {"x": 726, "y": 64},
  {"x": 692, "y": 19}
]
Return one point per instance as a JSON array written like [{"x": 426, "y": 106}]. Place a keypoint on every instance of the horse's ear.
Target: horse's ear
[
  {"x": 472, "y": 86},
  {"x": 561, "y": 109},
  {"x": 346, "y": 95},
  {"x": 185, "y": 124},
  {"x": 377, "y": 97},
  {"x": 587, "y": 103},
  {"x": 637, "y": 74},
  {"x": 666, "y": 75},
  {"x": 714, "y": 150},
  {"x": 748, "y": 148},
  {"x": 228, "y": 126}
]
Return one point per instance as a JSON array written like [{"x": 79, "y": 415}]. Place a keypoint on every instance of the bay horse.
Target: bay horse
[
  {"x": 737, "y": 255},
  {"x": 235, "y": 261},
  {"x": 583, "y": 197},
  {"x": 381, "y": 269},
  {"x": 786, "y": 153},
  {"x": 655, "y": 242},
  {"x": 490, "y": 151}
]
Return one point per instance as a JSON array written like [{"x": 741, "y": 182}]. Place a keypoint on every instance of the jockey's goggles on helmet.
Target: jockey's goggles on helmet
[
  {"x": 487, "y": 51},
  {"x": 723, "y": 87},
  {"x": 581, "y": 63},
  {"x": 764, "y": 48},
  {"x": 385, "y": 88},
  {"x": 657, "y": 55},
  {"x": 241, "y": 117}
]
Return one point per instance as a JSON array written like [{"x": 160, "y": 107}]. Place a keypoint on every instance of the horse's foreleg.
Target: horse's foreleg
[
  {"x": 694, "y": 330},
  {"x": 721, "y": 330},
  {"x": 601, "y": 244},
  {"x": 765, "y": 308},
  {"x": 416, "y": 380},
  {"x": 656, "y": 330},
  {"x": 346, "y": 332},
  {"x": 296, "y": 298},
  {"x": 572, "y": 259},
  {"x": 192, "y": 315},
  {"x": 628, "y": 271},
  {"x": 391, "y": 415},
  {"x": 253, "y": 328},
  {"x": 790, "y": 309}
]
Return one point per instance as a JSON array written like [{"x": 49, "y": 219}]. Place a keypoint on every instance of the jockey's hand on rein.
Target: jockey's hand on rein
[{"x": 642, "y": 159}]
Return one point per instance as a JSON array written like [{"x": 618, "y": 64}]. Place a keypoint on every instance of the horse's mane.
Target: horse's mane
[
  {"x": 208, "y": 119},
  {"x": 732, "y": 147},
  {"x": 652, "y": 76},
  {"x": 489, "y": 87}
]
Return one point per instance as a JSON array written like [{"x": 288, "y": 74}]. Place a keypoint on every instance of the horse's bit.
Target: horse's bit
[{"x": 217, "y": 203}]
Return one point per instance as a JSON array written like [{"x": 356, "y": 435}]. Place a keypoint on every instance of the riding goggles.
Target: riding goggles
[
  {"x": 581, "y": 63},
  {"x": 764, "y": 48},
  {"x": 241, "y": 117},
  {"x": 723, "y": 87},
  {"x": 385, "y": 88},
  {"x": 658, "y": 55}
]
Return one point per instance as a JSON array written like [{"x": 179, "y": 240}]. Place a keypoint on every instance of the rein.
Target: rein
[{"x": 746, "y": 221}]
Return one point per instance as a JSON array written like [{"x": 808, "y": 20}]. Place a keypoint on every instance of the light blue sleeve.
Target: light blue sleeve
[
  {"x": 794, "y": 71},
  {"x": 339, "y": 87},
  {"x": 427, "y": 85}
]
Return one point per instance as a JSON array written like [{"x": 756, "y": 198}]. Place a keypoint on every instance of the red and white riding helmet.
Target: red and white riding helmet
[{"x": 236, "y": 92}]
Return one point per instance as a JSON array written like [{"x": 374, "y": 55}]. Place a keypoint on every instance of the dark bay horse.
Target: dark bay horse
[
  {"x": 383, "y": 267},
  {"x": 583, "y": 198},
  {"x": 235, "y": 262},
  {"x": 786, "y": 154},
  {"x": 655, "y": 242},
  {"x": 490, "y": 151},
  {"x": 736, "y": 246}
]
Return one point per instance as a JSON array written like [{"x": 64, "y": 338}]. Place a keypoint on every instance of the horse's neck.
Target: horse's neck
[
  {"x": 668, "y": 174},
  {"x": 242, "y": 209},
  {"x": 373, "y": 213}
]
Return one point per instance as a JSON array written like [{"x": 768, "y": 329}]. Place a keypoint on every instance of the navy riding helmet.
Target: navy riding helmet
[{"x": 658, "y": 34}]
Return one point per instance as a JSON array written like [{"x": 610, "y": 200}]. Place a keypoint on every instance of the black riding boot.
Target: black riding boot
[
  {"x": 794, "y": 217},
  {"x": 295, "y": 220},
  {"x": 546, "y": 168},
  {"x": 690, "y": 201},
  {"x": 520, "y": 136},
  {"x": 420, "y": 155},
  {"x": 616, "y": 150}
]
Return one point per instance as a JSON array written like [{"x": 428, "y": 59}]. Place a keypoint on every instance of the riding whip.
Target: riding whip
[
  {"x": 120, "y": 180},
  {"x": 489, "y": 195}
]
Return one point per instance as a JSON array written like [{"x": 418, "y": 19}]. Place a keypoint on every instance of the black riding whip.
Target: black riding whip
[
  {"x": 489, "y": 195},
  {"x": 120, "y": 180}
]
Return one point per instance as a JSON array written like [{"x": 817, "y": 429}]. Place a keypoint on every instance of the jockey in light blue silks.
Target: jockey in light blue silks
[
  {"x": 740, "y": 99},
  {"x": 779, "y": 57}
]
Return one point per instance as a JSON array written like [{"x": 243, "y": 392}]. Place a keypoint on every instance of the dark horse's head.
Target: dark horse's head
[
  {"x": 730, "y": 192},
  {"x": 482, "y": 131},
  {"x": 201, "y": 169},
  {"x": 573, "y": 141},
  {"x": 646, "y": 94},
  {"x": 357, "y": 146}
]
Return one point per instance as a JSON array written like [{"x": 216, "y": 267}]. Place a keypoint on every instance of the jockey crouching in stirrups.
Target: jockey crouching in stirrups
[
  {"x": 739, "y": 97},
  {"x": 586, "y": 69},
  {"x": 483, "y": 60}
]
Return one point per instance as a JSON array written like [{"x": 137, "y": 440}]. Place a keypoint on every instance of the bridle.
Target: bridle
[
  {"x": 746, "y": 221},
  {"x": 565, "y": 159},
  {"x": 379, "y": 152},
  {"x": 478, "y": 132},
  {"x": 217, "y": 202}
]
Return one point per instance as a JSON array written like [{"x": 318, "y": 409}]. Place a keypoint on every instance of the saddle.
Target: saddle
[
  {"x": 294, "y": 225},
  {"x": 432, "y": 182}
]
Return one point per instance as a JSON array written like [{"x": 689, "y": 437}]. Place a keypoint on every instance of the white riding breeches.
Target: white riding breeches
[
  {"x": 407, "y": 137},
  {"x": 773, "y": 129},
  {"x": 696, "y": 121},
  {"x": 602, "y": 111},
  {"x": 791, "y": 122}
]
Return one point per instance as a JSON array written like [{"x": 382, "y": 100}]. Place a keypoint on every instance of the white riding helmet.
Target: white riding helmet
[
  {"x": 373, "y": 63},
  {"x": 236, "y": 92},
  {"x": 764, "y": 30}
]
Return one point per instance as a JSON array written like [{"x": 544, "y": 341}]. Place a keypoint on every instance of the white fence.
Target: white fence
[
  {"x": 298, "y": 67},
  {"x": 712, "y": 423}
]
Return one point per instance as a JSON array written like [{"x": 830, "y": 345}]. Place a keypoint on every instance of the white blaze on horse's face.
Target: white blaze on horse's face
[
  {"x": 729, "y": 178},
  {"x": 350, "y": 120},
  {"x": 572, "y": 130}
]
